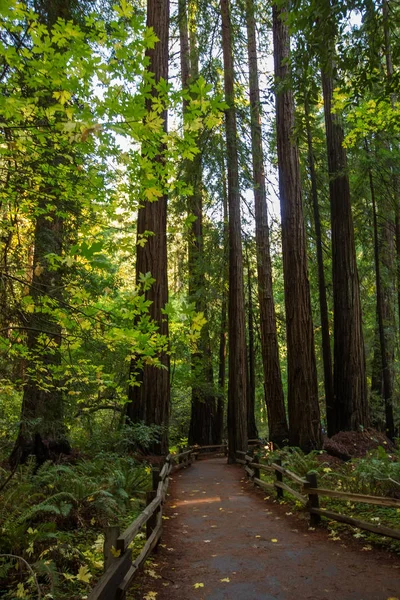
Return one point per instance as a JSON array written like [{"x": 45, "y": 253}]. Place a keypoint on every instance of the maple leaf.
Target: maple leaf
[{"x": 83, "y": 574}]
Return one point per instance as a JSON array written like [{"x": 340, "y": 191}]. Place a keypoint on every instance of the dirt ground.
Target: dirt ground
[{"x": 223, "y": 541}]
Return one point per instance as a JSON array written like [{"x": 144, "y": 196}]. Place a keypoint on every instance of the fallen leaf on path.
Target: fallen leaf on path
[
  {"x": 198, "y": 585},
  {"x": 150, "y": 596},
  {"x": 213, "y": 526},
  {"x": 258, "y": 536},
  {"x": 152, "y": 573},
  {"x": 173, "y": 506},
  {"x": 206, "y": 541},
  {"x": 274, "y": 540},
  {"x": 227, "y": 580},
  {"x": 367, "y": 548}
]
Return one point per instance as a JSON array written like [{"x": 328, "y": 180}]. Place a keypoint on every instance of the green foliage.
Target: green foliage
[{"x": 51, "y": 517}]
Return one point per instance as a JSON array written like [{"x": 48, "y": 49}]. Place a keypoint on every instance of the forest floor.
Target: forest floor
[{"x": 223, "y": 541}]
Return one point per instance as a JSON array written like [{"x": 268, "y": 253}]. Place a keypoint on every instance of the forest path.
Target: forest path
[{"x": 219, "y": 532}]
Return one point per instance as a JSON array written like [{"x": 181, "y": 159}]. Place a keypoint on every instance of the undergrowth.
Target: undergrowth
[
  {"x": 377, "y": 474},
  {"x": 51, "y": 521}
]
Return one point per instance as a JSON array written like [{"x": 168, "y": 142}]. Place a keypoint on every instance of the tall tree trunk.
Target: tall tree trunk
[
  {"x": 304, "y": 416},
  {"x": 277, "y": 424},
  {"x": 219, "y": 420},
  {"x": 396, "y": 182},
  {"x": 201, "y": 430},
  {"x": 149, "y": 403},
  {"x": 349, "y": 378},
  {"x": 323, "y": 304},
  {"x": 237, "y": 405},
  {"x": 42, "y": 432},
  {"x": 251, "y": 367},
  {"x": 384, "y": 302}
]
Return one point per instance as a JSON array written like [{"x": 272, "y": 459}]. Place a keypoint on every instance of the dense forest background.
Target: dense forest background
[{"x": 199, "y": 232}]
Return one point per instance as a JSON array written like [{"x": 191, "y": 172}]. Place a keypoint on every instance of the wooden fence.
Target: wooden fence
[
  {"x": 199, "y": 452},
  {"x": 309, "y": 492},
  {"x": 120, "y": 570}
]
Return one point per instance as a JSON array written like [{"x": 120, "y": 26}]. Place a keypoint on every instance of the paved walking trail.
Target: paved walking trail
[{"x": 221, "y": 533}]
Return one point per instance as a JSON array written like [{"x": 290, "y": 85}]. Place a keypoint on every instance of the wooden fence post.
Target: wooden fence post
[
  {"x": 313, "y": 499},
  {"x": 155, "y": 478},
  {"x": 279, "y": 477},
  {"x": 152, "y": 522},
  {"x": 111, "y": 534},
  {"x": 256, "y": 459},
  {"x": 179, "y": 452}
]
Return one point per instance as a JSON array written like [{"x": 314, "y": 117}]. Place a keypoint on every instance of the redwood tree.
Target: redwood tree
[
  {"x": 349, "y": 376},
  {"x": 42, "y": 432},
  {"x": 149, "y": 402},
  {"x": 237, "y": 407},
  {"x": 304, "y": 415},
  {"x": 277, "y": 423},
  {"x": 202, "y": 426}
]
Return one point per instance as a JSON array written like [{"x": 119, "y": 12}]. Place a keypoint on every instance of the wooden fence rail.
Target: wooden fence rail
[
  {"x": 121, "y": 570},
  {"x": 310, "y": 493}
]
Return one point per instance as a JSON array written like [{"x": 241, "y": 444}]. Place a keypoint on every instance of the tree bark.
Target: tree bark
[
  {"x": 237, "y": 405},
  {"x": 384, "y": 308},
  {"x": 323, "y": 303},
  {"x": 277, "y": 423},
  {"x": 149, "y": 402},
  {"x": 201, "y": 430},
  {"x": 349, "y": 379},
  {"x": 304, "y": 416},
  {"x": 252, "y": 432},
  {"x": 42, "y": 432},
  {"x": 219, "y": 421}
]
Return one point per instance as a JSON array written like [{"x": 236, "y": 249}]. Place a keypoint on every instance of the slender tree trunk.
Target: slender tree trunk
[
  {"x": 278, "y": 429},
  {"x": 304, "y": 417},
  {"x": 349, "y": 380},
  {"x": 237, "y": 405},
  {"x": 149, "y": 403},
  {"x": 382, "y": 307},
  {"x": 323, "y": 303},
  {"x": 396, "y": 183},
  {"x": 251, "y": 367},
  {"x": 219, "y": 420}
]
